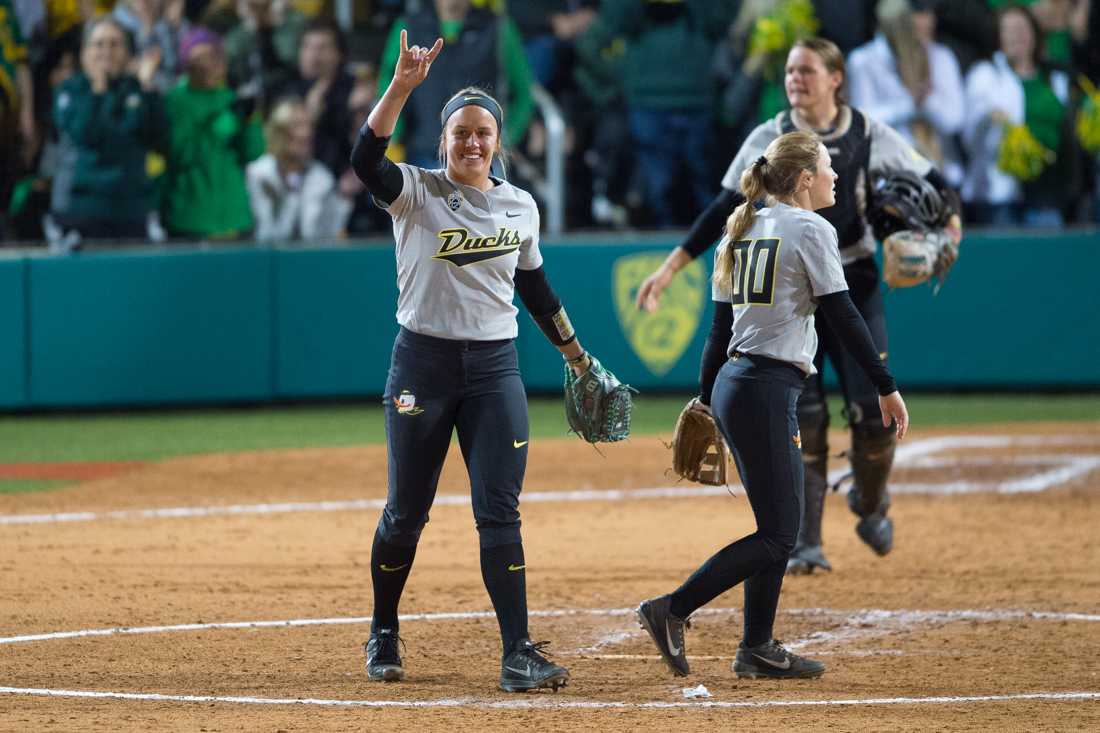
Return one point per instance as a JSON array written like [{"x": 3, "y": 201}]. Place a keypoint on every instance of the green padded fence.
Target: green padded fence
[{"x": 242, "y": 324}]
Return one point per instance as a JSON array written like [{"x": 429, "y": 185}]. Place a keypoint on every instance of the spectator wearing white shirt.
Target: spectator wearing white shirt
[
  {"x": 293, "y": 196},
  {"x": 906, "y": 80},
  {"x": 1016, "y": 88}
]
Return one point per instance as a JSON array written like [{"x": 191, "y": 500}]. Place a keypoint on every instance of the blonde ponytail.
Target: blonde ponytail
[
  {"x": 776, "y": 174},
  {"x": 742, "y": 218}
]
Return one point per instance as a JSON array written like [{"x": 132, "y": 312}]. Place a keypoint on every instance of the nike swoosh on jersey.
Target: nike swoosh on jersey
[
  {"x": 786, "y": 664},
  {"x": 510, "y": 215},
  {"x": 514, "y": 568},
  {"x": 518, "y": 443},
  {"x": 386, "y": 569}
]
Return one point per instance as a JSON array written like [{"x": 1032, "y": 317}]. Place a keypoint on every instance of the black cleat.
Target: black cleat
[
  {"x": 667, "y": 632},
  {"x": 524, "y": 668},
  {"x": 877, "y": 531},
  {"x": 383, "y": 660},
  {"x": 771, "y": 660},
  {"x": 805, "y": 559}
]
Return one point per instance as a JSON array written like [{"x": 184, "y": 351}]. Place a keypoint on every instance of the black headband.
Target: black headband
[{"x": 485, "y": 102}]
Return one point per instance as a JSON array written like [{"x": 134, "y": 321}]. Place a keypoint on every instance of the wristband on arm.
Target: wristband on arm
[{"x": 557, "y": 327}]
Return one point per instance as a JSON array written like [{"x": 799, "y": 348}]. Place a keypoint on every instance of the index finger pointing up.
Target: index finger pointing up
[{"x": 404, "y": 41}]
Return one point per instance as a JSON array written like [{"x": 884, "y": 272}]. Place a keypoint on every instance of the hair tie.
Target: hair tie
[{"x": 762, "y": 160}]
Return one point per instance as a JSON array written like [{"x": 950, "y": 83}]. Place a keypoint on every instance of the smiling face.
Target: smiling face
[
  {"x": 822, "y": 187},
  {"x": 808, "y": 81},
  {"x": 470, "y": 140}
]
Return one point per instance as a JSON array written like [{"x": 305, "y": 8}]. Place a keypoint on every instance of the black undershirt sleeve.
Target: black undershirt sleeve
[
  {"x": 707, "y": 227},
  {"x": 848, "y": 324},
  {"x": 382, "y": 177},
  {"x": 534, "y": 290},
  {"x": 715, "y": 350}
]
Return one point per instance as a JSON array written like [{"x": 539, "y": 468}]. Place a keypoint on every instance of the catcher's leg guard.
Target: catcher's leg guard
[
  {"x": 872, "y": 456},
  {"x": 813, "y": 425}
]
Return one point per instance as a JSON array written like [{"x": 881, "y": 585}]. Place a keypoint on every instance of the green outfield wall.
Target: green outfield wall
[{"x": 180, "y": 326}]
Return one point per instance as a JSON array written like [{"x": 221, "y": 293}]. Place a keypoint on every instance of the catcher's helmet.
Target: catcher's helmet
[{"x": 904, "y": 200}]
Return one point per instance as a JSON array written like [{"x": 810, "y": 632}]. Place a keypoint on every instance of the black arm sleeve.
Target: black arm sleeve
[
  {"x": 849, "y": 325},
  {"x": 544, "y": 306},
  {"x": 381, "y": 176},
  {"x": 534, "y": 290},
  {"x": 715, "y": 351},
  {"x": 707, "y": 228}
]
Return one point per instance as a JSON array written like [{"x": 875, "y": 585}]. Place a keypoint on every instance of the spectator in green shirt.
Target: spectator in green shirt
[
  {"x": 480, "y": 48},
  {"x": 214, "y": 136}
]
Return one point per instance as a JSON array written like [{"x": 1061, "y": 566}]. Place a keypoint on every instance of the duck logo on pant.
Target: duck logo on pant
[{"x": 406, "y": 403}]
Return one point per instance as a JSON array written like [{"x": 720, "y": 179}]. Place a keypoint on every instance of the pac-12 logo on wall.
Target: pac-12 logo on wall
[{"x": 659, "y": 339}]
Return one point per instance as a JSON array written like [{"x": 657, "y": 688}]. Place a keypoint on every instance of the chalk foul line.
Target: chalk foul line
[{"x": 559, "y": 702}]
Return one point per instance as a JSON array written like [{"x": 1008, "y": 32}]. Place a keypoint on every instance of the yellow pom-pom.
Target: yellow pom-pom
[
  {"x": 1088, "y": 117},
  {"x": 1021, "y": 155}
]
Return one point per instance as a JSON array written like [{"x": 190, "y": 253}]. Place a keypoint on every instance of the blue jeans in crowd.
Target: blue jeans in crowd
[{"x": 664, "y": 140}]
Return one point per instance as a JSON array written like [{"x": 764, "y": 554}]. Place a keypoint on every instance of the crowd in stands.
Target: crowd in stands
[{"x": 222, "y": 120}]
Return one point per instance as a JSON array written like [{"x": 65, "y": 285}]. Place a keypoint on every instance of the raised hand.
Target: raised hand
[
  {"x": 147, "y": 66},
  {"x": 414, "y": 63}
]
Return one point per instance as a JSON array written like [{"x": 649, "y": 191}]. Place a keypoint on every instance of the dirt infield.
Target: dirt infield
[{"x": 121, "y": 596}]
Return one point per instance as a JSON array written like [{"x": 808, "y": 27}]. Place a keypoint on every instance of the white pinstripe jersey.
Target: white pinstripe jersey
[
  {"x": 457, "y": 252},
  {"x": 787, "y": 258}
]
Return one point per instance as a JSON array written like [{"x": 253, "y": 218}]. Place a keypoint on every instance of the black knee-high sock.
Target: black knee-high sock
[
  {"x": 389, "y": 569},
  {"x": 502, "y": 569}
]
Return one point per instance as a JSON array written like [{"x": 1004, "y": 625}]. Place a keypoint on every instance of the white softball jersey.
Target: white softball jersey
[
  {"x": 457, "y": 251},
  {"x": 787, "y": 258}
]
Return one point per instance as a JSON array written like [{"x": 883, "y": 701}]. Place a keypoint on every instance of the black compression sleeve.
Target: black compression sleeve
[
  {"x": 534, "y": 290},
  {"x": 715, "y": 350},
  {"x": 707, "y": 228},
  {"x": 381, "y": 176},
  {"x": 849, "y": 325},
  {"x": 544, "y": 306}
]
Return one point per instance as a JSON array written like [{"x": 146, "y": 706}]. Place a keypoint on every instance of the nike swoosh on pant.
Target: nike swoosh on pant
[
  {"x": 385, "y": 569},
  {"x": 515, "y": 568}
]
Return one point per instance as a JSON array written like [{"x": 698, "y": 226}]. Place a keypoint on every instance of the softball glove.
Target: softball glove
[
  {"x": 597, "y": 404},
  {"x": 699, "y": 452}
]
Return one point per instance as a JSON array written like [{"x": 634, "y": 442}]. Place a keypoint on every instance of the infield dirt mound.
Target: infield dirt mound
[{"x": 945, "y": 620}]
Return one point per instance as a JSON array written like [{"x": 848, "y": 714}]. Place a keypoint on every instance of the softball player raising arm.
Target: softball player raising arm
[
  {"x": 773, "y": 269},
  {"x": 465, "y": 242},
  {"x": 857, "y": 144}
]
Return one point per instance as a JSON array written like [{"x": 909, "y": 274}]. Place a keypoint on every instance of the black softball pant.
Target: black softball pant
[
  {"x": 754, "y": 402},
  {"x": 436, "y": 386}
]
